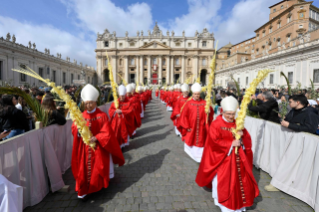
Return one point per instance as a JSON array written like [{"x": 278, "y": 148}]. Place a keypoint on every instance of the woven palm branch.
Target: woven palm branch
[
  {"x": 113, "y": 84},
  {"x": 287, "y": 81},
  {"x": 123, "y": 80}
]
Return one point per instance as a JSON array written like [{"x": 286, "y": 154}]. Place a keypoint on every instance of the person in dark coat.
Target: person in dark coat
[
  {"x": 13, "y": 120},
  {"x": 267, "y": 109},
  {"x": 301, "y": 118},
  {"x": 48, "y": 105}
]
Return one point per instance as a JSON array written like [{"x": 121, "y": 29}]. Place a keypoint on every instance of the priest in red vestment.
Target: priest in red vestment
[
  {"x": 230, "y": 175},
  {"x": 179, "y": 102},
  {"x": 93, "y": 169},
  {"x": 136, "y": 107},
  {"x": 169, "y": 99},
  {"x": 193, "y": 125},
  {"x": 142, "y": 99},
  {"x": 157, "y": 93},
  {"x": 122, "y": 118}
]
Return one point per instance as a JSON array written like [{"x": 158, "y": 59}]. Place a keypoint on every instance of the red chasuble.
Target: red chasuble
[
  {"x": 177, "y": 108},
  {"x": 193, "y": 117},
  {"x": 137, "y": 108},
  {"x": 156, "y": 93},
  {"x": 90, "y": 168},
  {"x": 236, "y": 186},
  {"x": 123, "y": 124}
]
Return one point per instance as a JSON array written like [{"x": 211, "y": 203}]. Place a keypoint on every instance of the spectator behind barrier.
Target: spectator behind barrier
[
  {"x": 301, "y": 118},
  {"x": 267, "y": 109},
  {"x": 55, "y": 117},
  {"x": 13, "y": 120}
]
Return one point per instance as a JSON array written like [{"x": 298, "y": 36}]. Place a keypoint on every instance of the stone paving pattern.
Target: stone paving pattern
[{"x": 159, "y": 176}]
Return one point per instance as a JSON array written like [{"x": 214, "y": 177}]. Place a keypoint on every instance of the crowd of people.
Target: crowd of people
[{"x": 209, "y": 138}]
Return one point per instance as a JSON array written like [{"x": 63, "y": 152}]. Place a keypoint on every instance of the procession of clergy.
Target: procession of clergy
[{"x": 207, "y": 141}]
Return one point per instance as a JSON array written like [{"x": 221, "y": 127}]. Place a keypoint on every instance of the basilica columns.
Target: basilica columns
[
  {"x": 183, "y": 69},
  {"x": 149, "y": 69},
  {"x": 167, "y": 69},
  {"x": 126, "y": 68},
  {"x": 114, "y": 67},
  {"x": 195, "y": 67},
  {"x": 160, "y": 69},
  {"x": 172, "y": 70},
  {"x": 137, "y": 62},
  {"x": 141, "y": 74}
]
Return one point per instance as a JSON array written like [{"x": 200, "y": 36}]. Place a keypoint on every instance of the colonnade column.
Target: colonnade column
[
  {"x": 141, "y": 69},
  {"x": 126, "y": 68},
  {"x": 183, "y": 70},
  {"x": 114, "y": 68},
  {"x": 195, "y": 67},
  {"x": 167, "y": 69},
  {"x": 149, "y": 69},
  {"x": 172, "y": 70},
  {"x": 137, "y": 69},
  {"x": 160, "y": 69}
]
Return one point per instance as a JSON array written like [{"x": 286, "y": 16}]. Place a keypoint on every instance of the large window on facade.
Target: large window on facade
[
  {"x": 164, "y": 62},
  {"x": 54, "y": 76},
  {"x": 106, "y": 62},
  {"x": 145, "y": 62},
  {"x": 132, "y": 78},
  {"x": 23, "y": 77},
  {"x": 271, "y": 79},
  {"x": 163, "y": 80},
  {"x": 64, "y": 78},
  {"x": 132, "y": 61},
  {"x": 79, "y": 77},
  {"x": 177, "y": 61},
  {"x": 291, "y": 77},
  {"x": 204, "y": 44},
  {"x": 106, "y": 44},
  {"x": 154, "y": 61},
  {"x": 41, "y": 72},
  {"x": 316, "y": 76},
  {"x": 204, "y": 62},
  {"x": 72, "y": 78}
]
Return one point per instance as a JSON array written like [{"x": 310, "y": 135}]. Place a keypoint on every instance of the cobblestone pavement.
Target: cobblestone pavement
[{"x": 159, "y": 176}]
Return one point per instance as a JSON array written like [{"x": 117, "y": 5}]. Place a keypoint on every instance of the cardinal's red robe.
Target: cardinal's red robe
[
  {"x": 177, "y": 108},
  {"x": 136, "y": 109},
  {"x": 91, "y": 168},
  {"x": 122, "y": 124},
  {"x": 156, "y": 93},
  {"x": 237, "y": 186},
  {"x": 193, "y": 117}
]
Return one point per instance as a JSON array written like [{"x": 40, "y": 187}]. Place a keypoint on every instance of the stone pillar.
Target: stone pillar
[
  {"x": 114, "y": 67},
  {"x": 125, "y": 68},
  {"x": 137, "y": 62},
  {"x": 141, "y": 74},
  {"x": 183, "y": 69},
  {"x": 195, "y": 67},
  {"x": 160, "y": 69},
  {"x": 99, "y": 70},
  {"x": 149, "y": 69},
  {"x": 167, "y": 69},
  {"x": 172, "y": 70}
]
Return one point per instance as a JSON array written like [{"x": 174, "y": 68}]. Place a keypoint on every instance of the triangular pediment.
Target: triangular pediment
[{"x": 154, "y": 45}]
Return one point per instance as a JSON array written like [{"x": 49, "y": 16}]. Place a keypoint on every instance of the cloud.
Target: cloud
[
  {"x": 245, "y": 17},
  {"x": 97, "y": 15},
  {"x": 201, "y": 14},
  {"x": 46, "y": 36}
]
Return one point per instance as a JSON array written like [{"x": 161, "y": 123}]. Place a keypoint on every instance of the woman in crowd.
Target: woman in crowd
[
  {"x": 48, "y": 105},
  {"x": 13, "y": 119}
]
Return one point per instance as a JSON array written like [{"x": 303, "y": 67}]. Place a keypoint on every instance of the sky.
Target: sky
[{"x": 70, "y": 27}]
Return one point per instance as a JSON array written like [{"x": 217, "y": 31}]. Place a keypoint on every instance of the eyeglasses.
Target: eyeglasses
[{"x": 229, "y": 114}]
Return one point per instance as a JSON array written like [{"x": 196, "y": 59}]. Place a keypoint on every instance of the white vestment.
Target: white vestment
[
  {"x": 142, "y": 113},
  {"x": 177, "y": 132},
  {"x": 194, "y": 152}
]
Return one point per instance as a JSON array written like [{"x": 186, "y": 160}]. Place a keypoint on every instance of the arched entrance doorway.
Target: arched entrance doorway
[
  {"x": 94, "y": 80},
  {"x": 106, "y": 75},
  {"x": 203, "y": 76}
]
